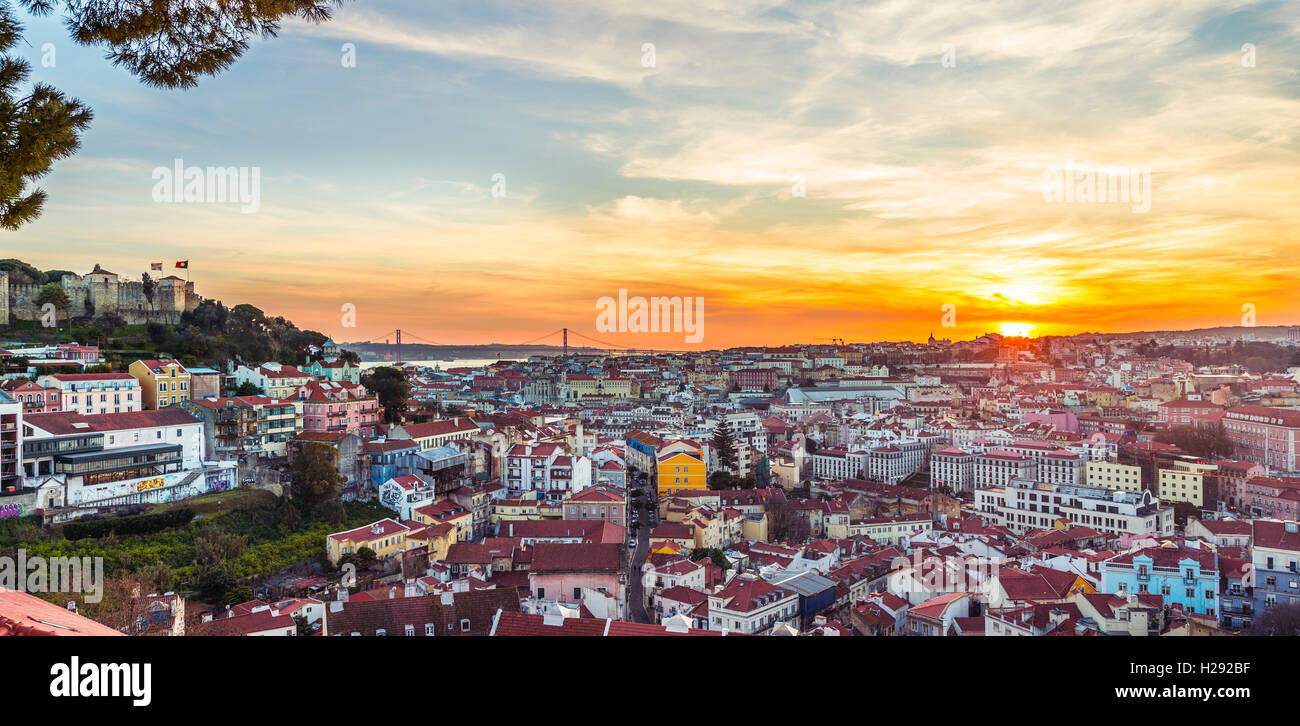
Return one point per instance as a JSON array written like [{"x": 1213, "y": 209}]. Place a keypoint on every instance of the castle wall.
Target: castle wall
[{"x": 93, "y": 295}]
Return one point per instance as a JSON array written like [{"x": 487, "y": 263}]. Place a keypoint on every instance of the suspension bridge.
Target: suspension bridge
[{"x": 397, "y": 336}]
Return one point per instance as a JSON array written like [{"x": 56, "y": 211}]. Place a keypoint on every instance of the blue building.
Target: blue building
[
  {"x": 1184, "y": 576},
  {"x": 1276, "y": 558},
  {"x": 384, "y": 458}
]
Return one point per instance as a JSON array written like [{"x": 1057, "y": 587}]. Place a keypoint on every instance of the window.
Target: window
[
  {"x": 541, "y": 593},
  {"x": 577, "y": 593},
  {"x": 428, "y": 628},
  {"x": 464, "y": 625},
  {"x": 410, "y": 630}
]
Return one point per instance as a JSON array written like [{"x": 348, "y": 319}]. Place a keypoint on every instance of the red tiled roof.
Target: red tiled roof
[{"x": 23, "y": 614}]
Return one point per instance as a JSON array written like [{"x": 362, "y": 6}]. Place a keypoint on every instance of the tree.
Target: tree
[
  {"x": 724, "y": 445},
  {"x": 712, "y": 553},
  {"x": 1281, "y": 619},
  {"x": 214, "y": 555},
  {"x": 52, "y": 294},
  {"x": 248, "y": 388},
  {"x": 785, "y": 523},
  {"x": 390, "y": 385},
  {"x": 238, "y": 594},
  {"x": 149, "y": 285},
  {"x": 1209, "y": 440},
  {"x": 300, "y": 623},
  {"x": 727, "y": 480},
  {"x": 165, "y": 43},
  {"x": 314, "y": 476},
  {"x": 1183, "y": 510},
  {"x": 36, "y": 129}
]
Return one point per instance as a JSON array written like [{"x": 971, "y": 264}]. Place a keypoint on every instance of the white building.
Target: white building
[
  {"x": 995, "y": 468},
  {"x": 1024, "y": 504},
  {"x": 123, "y": 458},
  {"x": 954, "y": 468}
]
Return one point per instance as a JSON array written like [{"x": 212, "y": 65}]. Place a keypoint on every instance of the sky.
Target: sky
[{"x": 487, "y": 172}]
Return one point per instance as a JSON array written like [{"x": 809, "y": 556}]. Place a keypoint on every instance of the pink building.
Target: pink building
[
  {"x": 94, "y": 393},
  {"x": 1264, "y": 435},
  {"x": 560, "y": 572},
  {"x": 1188, "y": 413},
  {"x": 80, "y": 353},
  {"x": 1267, "y": 496},
  {"x": 335, "y": 407},
  {"x": 35, "y": 398}
]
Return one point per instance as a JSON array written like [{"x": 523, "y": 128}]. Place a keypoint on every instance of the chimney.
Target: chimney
[{"x": 553, "y": 617}]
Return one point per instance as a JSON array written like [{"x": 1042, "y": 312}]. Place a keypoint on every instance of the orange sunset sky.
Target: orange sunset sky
[{"x": 924, "y": 176}]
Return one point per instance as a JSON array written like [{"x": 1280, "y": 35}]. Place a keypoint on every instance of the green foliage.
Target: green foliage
[
  {"x": 237, "y": 594},
  {"x": 137, "y": 524},
  {"x": 53, "y": 294},
  {"x": 10, "y": 265},
  {"x": 214, "y": 335},
  {"x": 315, "y": 478},
  {"x": 1205, "y": 440},
  {"x": 1256, "y": 355},
  {"x": 724, "y": 445},
  {"x": 248, "y": 388},
  {"x": 390, "y": 386},
  {"x": 712, "y": 553},
  {"x": 727, "y": 480},
  {"x": 202, "y": 555},
  {"x": 38, "y": 126}
]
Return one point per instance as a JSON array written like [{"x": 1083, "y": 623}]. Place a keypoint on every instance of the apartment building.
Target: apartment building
[
  {"x": 1024, "y": 504},
  {"x": 163, "y": 383},
  {"x": 90, "y": 393}
]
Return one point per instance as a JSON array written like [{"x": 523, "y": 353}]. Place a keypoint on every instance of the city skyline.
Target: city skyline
[{"x": 810, "y": 173}]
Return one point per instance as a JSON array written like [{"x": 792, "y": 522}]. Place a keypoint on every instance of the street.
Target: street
[{"x": 637, "y": 612}]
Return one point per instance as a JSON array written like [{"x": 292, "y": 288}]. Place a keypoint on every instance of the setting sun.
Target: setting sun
[{"x": 1016, "y": 330}]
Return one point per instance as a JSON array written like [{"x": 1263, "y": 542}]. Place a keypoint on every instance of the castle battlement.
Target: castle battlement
[{"x": 100, "y": 291}]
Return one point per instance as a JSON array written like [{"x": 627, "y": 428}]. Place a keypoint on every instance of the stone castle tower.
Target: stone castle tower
[{"x": 101, "y": 291}]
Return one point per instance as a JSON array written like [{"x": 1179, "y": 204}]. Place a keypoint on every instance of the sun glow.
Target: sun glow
[{"x": 1016, "y": 330}]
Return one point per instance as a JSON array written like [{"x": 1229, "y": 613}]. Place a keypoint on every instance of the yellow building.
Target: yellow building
[
  {"x": 1112, "y": 475},
  {"x": 163, "y": 383},
  {"x": 681, "y": 471},
  {"x": 755, "y": 527},
  {"x": 578, "y": 386},
  {"x": 438, "y": 537},
  {"x": 514, "y": 510},
  {"x": 1184, "y": 482},
  {"x": 447, "y": 512},
  {"x": 387, "y": 538}
]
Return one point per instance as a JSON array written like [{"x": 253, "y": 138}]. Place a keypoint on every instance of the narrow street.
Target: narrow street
[{"x": 637, "y": 611}]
